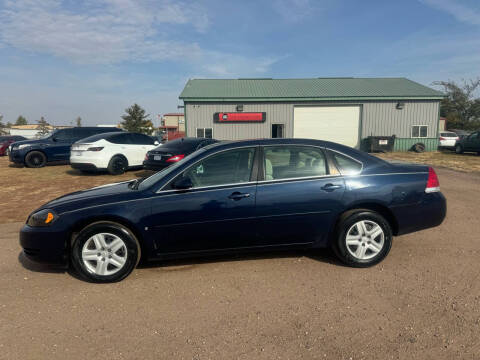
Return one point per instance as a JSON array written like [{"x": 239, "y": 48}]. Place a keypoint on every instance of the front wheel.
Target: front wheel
[
  {"x": 35, "y": 159},
  {"x": 458, "y": 149},
  {"x": 363, "y": 238},
  {"x": 105, "y": 252}
]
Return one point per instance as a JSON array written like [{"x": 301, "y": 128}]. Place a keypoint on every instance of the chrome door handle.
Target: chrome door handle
[
  {"x": 331, "y": 187},
  {"x": 238, "y": 195}
]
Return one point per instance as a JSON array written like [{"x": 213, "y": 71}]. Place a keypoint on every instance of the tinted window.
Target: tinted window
[
  {"x": 120, "y": 139},
  {"x": 285, "y": 162},
  {"x": 64, "y": 134},
  {"x": 140, "y": 139},
  {"x": 346, "y": 165},
  {"x": 228, "y": 167},
  {"x": 97, "y": 137},
  {"x": 448, "y": 134}
]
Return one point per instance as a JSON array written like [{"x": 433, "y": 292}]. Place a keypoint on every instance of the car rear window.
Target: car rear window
[{"x": 448, "y": 134}]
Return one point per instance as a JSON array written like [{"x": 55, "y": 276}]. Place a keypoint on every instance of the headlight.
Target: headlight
[
  {"x": 21, "y": 146},
  {"x": 44, "y": 217}
]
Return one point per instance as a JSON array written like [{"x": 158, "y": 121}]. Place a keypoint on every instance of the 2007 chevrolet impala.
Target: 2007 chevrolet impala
[{"x": 244, "y": 195}]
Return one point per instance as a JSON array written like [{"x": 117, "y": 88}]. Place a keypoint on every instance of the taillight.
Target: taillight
[
  {"x": 175, "y": 158},
  {"x": 146, "y": 156},
  {"x": 95, "y": 148},
  {"x": 432, "y": 183},
  {"x": 442, "y": 138}
]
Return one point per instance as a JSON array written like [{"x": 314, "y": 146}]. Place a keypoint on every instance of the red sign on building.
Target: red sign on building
[{"x": 239, "y": 117}]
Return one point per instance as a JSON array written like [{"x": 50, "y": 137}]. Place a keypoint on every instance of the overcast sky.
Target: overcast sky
[{"x": 93, "y": 58}]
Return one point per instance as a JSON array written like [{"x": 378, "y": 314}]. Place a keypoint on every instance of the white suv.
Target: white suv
[{"x": 115, "y": 152}]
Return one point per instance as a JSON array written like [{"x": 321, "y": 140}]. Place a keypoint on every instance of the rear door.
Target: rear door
[
  {"x": 140, "y": 145},
  {"x": 217, "y": 213},
  {"x": 297, "y": 197}
]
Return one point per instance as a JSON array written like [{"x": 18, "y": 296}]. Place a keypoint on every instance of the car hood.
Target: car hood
[
  {"x": 29, "y": 142},
  {"x": 92, "y": 197}
]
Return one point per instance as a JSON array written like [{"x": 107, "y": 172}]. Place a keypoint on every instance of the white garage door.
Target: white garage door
[{"x": 339, "y": 124}]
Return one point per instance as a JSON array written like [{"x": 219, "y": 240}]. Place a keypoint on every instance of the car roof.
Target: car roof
[{"x": 101, "y": 136}]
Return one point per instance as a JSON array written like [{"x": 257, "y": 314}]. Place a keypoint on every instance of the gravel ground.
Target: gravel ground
[{"x": 422, "y": 302}]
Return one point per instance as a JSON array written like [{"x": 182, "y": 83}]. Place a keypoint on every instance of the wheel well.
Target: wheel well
[
  {"x": 113, "y": 219},
  {"x": 119, "y": 155},
  {"x": 40, "y": 151},
  {"x": 382, "y": 210}
]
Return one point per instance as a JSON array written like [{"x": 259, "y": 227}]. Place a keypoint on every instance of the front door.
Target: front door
[
  {"x": 472, "y": 143},
  {"x": 298, "y": 198},
  {"x": 216, "y": 213}
]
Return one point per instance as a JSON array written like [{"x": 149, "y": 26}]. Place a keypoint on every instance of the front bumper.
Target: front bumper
[
  {"x": 44, "y": 244},
  {"x": 16, "y": 156}
]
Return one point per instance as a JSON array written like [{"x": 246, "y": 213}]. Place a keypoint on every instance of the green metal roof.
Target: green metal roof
[{"x": 306, "y": 89}]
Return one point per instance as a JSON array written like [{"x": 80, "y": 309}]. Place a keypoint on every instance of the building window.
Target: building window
[
  {"x": 419, "y": 131},
  {"x": 278, "y": 131},
  {"x": 205, "y": 133}
]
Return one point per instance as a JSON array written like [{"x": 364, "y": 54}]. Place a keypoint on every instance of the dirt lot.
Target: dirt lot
[
  {"x": 468, "y": 162},
  {"x": 422, "y": 302}
]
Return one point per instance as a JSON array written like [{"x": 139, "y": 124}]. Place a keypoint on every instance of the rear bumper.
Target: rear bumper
[
  {"x": 85, "y": 166},
  {"x": 154, "y": 165},
  {"x": 430, "y": 212},
  {"x": 43, "y": 245}
]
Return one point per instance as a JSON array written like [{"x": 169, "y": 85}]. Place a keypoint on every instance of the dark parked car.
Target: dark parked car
[
  {"x": 53, "y": 147},
  {"x": 5, "y": 142},
  {"x": 470, "y": 143},
  {"x": 239, "y": 196},
  {"x": 173, "y": 151},
  {"x": 460, "y": 133}
]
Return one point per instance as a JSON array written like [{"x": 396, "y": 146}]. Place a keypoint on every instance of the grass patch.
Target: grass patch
[{"x": 448, "y": 159}]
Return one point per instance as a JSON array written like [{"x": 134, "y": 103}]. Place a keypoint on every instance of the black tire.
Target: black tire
[
  {"x": 117, "y": 165},
  {"x": 419, "y": 147},
  {"x": 346, "y": 223},
  {"x": 35, "y": 159},
  {"x": 458, "y": 149},
  {"x": 133, "y": 251}
]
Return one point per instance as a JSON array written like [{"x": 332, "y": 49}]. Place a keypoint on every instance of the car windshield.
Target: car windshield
[{"x": 153, "y": 179}]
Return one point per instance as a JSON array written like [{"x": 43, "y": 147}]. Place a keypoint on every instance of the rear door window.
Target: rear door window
[
  {"x": 288, "y": 162},
  {"x": 140, "y": 139},
  {"x": 64, "y": 135},
  {"x": 120, "y": 139}
]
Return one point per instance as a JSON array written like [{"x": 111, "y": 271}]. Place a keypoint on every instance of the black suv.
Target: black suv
[
  {"x": 52, "y": 147},
  {"x": 470, "y": 143}
]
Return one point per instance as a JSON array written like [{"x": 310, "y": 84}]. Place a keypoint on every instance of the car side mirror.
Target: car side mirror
[{"x": 183, "y": 184}]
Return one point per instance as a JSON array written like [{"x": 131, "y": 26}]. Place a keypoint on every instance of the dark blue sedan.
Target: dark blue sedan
[{"x": 236, "y": 196}]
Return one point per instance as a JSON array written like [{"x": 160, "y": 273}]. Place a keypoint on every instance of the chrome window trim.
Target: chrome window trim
[
  {"x": 322, "y": 149},
  {"x": 204, "y": 158}
]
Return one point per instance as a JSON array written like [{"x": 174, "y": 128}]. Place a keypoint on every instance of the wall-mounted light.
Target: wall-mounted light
[
  {"x": 400, "y": 105},
  {"x": 239, "y": 107}
]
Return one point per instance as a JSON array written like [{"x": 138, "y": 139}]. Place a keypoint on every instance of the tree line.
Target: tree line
[{"x": 135, "y": 119}]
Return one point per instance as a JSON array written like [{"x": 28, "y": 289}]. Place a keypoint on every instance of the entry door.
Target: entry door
[
  {"x": 340, "y": 124},
  {"x": 217, "y": 213},
  {"x": 298, "y": 199}
]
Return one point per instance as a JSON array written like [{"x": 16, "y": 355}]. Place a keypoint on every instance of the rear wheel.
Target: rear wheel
[
  {"x": 363, "y": 238},
  {"x": 117, "y": 165},
  {"x": 458, "y": 149},
  {"x": 105, "y": 252},
  {"x": 35, "y": 159}
]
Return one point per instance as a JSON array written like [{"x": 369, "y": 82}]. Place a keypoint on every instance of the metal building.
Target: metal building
[{"x": 343, "y": 110}]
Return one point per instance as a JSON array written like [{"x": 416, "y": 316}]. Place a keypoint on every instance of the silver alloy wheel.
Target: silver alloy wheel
[
  {"x": 365, "y": 239},
  {"x": 104, "y": 254}
]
